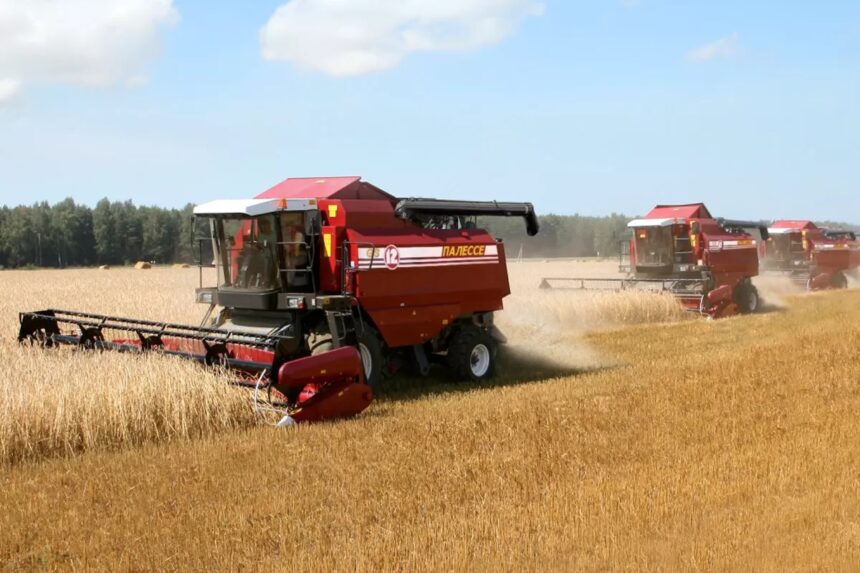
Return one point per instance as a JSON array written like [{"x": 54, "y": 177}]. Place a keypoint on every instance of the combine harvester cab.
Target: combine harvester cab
[
  {"x": 323, "y": 286},
  {"x": 707, "y": 263},
  {"x": 812, "y": 257}
]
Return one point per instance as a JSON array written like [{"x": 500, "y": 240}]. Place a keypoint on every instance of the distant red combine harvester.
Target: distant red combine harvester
[
  {"x": 707, "y": 263},
  {"x": 813, "y": 257}
]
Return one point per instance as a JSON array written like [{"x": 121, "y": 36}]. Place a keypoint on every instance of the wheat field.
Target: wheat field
[
  {"x": 62, "y": 402},
  {"x": 59, "y": 402},
  {"x": 619, "y": 434}
]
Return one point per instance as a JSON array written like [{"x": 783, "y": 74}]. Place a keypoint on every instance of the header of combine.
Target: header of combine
[
  {"x": 324, "y": 284},
  {"x": 814, "y": 257},
  {"x": 706, "y": 263}
]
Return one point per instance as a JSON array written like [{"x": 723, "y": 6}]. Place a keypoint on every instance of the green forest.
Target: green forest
[
  {"x": 67, "y": 234},
  {"x": 114, "y": 233}
]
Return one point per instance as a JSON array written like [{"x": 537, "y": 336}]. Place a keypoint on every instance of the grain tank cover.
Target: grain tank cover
[
  {"x": 689, "y": 211},
  {"x": 791, "y": 226},
  {"x": 325, "y": 188}
]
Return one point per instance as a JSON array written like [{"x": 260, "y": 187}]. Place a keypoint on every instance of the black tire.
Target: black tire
[
  {"x": 839, "y": 281},
  {"x": 369, "y": 348},
  {"x": 472, "y": 354},
  {"x": 747, "y": 297}
]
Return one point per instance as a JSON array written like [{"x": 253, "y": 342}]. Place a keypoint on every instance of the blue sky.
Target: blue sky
[{"x": 579, "y": 107}]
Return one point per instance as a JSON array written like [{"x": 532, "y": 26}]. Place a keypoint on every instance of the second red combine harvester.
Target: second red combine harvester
[
  {"x": 707, "y": 263},
  {"x": 323, "y": 285},
  {"x": 812, "y": 257}
]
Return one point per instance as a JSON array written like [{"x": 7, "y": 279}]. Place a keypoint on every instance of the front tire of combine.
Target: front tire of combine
[
  {"x": 372, "y": 358},
  {"x": 472, "y": 354},
  {"x": 369, "y": 348},
  {"x": 839, "y": 281},
  {"x": 747, "y": 298}
]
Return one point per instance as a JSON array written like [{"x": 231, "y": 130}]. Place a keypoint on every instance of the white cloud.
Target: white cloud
[
  {"x": 9, "y": 90},
  {"x": 78, "y": 42},
  {"x": 353, "y": 37},
  {"x": 727, "y": 47}
]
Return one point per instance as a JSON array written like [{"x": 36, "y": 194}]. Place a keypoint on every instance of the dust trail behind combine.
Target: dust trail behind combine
[
  {"x": 548, "y": 326},
  {"x": 774, "y": 289}
]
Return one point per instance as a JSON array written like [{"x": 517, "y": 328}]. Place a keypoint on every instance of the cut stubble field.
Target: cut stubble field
[{"x": 620, "y": 433}]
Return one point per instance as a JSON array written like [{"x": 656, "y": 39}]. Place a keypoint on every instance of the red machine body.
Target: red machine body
[
  {"x": 687, "y": 242},
  {"x": 706, "y": 263},
  {"x": 813, "y": 257},
  {"x": 411, "y": 282}
]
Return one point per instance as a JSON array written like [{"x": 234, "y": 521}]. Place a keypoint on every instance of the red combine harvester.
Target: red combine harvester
[
  {"x": 812, "y": 257},
  {"x": 323, "y": 286},
  {"x": 706, "y": 263}
]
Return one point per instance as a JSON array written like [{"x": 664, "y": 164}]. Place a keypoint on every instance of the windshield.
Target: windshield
[
  {"x": 267, "y": 253},
  {"x": 786, "y": 246},
  {"x": 248, "y": 253},
  {"x": 653, "y": 246}
]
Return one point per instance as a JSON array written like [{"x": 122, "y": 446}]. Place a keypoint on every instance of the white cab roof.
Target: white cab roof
[
  {"x": 253, "y": 207},
  {"x": 653, "y": 222}
]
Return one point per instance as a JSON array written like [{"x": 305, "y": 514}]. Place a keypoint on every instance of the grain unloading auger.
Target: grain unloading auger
[
  {"x": 324, "y": 286},
  {"x": 706, "y": 263}
]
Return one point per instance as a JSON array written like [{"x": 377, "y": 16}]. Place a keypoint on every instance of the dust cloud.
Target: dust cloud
[
  {"x": 537, "y": 334},
  {"x": 774, "y": 290},
  {"x": 549, "y": 327}
]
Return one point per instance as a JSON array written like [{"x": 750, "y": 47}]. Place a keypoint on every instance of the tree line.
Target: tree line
[
  {"x": 67, "y": 234},
  {"x": 119, "y": 232}
]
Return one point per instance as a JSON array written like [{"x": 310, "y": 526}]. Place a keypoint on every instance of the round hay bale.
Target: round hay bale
[
  {"x": 104, "y": 267},
  {"x": 142, "y": 265}
]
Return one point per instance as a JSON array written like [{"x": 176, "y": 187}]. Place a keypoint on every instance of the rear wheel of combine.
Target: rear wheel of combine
[
  {"x": 839, "y": 281},
  {"x": 472, "y": 354},
  {"x": 746, "y": 297}
]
